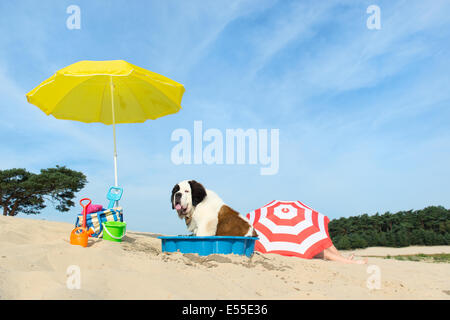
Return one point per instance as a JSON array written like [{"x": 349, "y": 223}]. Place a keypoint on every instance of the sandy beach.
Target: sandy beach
[{"x": 35, "y": 256}]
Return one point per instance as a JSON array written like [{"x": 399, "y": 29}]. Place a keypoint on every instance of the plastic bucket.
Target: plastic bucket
[{"x": 114, "y": 230}]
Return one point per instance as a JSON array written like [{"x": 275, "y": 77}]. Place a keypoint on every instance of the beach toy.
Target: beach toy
[
  {"x": 94, "y": 220},
  {"x": 204, "y": 246},
  {"x": 114, "y": 195},
  {"x": 92, "y": 208},
  {"x": 79, "y": 236},
  {"x": 114, "y": 230}
]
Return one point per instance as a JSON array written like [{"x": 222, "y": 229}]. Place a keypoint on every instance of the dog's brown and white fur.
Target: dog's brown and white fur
[{"x": 205, "y": 213}]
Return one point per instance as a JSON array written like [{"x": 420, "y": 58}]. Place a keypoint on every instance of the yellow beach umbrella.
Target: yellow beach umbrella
[{"x": 109, "y": 92}]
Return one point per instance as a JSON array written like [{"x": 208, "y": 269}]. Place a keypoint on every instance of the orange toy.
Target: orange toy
[{"x": 80, "y": 235}]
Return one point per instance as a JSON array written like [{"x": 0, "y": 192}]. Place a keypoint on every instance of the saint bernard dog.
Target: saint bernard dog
[{"x": 205, "y": 213}]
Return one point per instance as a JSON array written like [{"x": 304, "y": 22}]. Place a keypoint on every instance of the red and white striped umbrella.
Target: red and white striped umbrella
[{"x": 290, "y": 228}]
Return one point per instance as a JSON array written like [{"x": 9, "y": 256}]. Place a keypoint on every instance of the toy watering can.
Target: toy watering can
[{"x": 80, "y": 235}]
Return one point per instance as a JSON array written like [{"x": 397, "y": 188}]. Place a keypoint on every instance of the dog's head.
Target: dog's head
[{"x": 186, "y": 195}]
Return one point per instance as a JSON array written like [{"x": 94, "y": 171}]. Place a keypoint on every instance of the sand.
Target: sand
[{"x": 35, "y": 260}]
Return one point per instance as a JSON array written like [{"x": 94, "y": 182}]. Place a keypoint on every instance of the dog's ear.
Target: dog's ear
[
  {"x": 175, "y": 189},
  {"x": 198, "y": 192}
]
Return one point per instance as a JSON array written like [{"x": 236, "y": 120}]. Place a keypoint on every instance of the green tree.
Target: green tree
[
  {"x": 402, "y": 239},
  {"x": 343, "y": 243},
  {"x": 357, "y": 241},
  {"x": 26, "y": 192},
  {"x": 447, "y": 238},
  {"x": 417, "y": 237}
]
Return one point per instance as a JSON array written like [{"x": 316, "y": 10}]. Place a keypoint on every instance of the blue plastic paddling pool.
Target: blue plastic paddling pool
[{"x": 204, "y": 246}]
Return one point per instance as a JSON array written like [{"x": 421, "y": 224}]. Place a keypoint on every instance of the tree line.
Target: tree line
[{"x": 429, "y": 226}]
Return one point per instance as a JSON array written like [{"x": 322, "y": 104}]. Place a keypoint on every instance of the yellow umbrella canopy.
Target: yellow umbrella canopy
[
  {"x": 82, "y": 92},
  {"x": 108, "y": 92}
]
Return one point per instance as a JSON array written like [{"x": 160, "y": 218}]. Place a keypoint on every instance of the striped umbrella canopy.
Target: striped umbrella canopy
[{"x": 290, "y": 228}]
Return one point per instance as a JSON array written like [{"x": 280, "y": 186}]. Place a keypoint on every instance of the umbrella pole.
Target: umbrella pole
[{"x": 114, "y": 132}]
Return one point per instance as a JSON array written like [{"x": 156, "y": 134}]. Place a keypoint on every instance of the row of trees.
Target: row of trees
[{"x": 429, "y": 226}]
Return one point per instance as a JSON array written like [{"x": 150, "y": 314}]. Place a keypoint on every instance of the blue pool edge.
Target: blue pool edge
[{"x": 204, "y": 246}]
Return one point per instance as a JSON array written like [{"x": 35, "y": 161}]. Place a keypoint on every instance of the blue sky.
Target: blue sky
[{"x": 363, "y": 114}]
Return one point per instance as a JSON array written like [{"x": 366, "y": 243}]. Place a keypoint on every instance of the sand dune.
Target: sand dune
[{"x": 35, "y": 256}]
